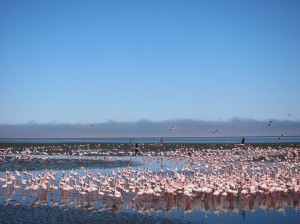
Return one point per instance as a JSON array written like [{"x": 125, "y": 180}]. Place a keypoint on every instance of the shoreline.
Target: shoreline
[
  {"x": 158, "y": 137},
  {"x": 145, "y": 146}
]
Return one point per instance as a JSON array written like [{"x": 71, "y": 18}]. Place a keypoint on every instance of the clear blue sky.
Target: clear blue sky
[{"x": 95, "y": 61}]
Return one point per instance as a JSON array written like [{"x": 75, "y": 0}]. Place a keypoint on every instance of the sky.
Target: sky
[{"x": 166, "y": 61}]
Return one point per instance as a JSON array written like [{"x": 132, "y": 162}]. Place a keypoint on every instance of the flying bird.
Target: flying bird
[
  {"x": 215, "y": 131},
  {"x": 171, "y": 129},
  {"x": 269, "y": 123}
]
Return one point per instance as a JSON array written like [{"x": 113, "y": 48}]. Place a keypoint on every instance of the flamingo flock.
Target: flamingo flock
[{"x": 198, "y": 174}]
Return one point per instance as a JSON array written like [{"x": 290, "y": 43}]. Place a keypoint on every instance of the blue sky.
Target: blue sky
[{"x": 125, "y": 61}]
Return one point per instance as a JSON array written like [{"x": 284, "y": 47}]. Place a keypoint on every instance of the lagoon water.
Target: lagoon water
[
  {"x": 46, "y": 206},
  {"x": 212, "y": 140}
]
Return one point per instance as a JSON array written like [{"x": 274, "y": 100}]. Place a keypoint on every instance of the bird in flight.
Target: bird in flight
[
  {"x": 269, "y": 123},
  {"x": 171, "y": 129},
  {"x": 215, "y": 131}
]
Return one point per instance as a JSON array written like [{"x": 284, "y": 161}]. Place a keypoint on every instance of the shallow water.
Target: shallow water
[
  {"x": 49, "y": 206},
  {"x": 44, "y": 214},
  {"x": 173, "y": 140}
]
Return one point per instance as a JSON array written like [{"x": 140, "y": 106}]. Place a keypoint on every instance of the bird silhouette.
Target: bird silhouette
[
  {"x": 269, "y": 123},
  {"x": 215, "y": 131}
]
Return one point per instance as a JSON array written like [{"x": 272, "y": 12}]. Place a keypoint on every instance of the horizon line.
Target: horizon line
[{"x": 130, "y": 137}]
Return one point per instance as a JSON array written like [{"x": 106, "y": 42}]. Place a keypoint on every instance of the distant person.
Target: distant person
[
  {"x": 243, "y": 141},
  {"x": 136, "y": 148}
]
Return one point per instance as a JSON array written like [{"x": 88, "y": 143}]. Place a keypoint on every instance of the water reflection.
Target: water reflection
[{"x": 147, "y": 203}]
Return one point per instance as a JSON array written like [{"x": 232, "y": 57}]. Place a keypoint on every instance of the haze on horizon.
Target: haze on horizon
[
  {"x": 142, "y": 66},
  {"x": 146, "y": 128}
]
